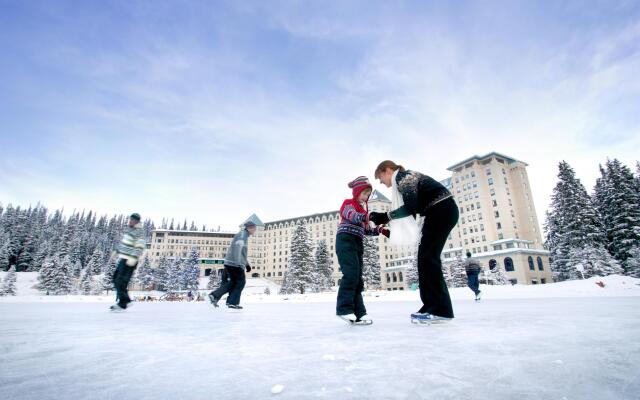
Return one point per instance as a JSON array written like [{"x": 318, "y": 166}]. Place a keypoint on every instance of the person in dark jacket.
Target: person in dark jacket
[
  {"x": 354, "y": 225},
  {"x": 422, "y": 195},
  {"x": 129, "y": 252},
  {"x": 235, "y": 263},
  {"x": 472, "y": 268}
]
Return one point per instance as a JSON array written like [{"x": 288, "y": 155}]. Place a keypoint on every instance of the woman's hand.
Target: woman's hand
[{"x": 378, "y": 218}]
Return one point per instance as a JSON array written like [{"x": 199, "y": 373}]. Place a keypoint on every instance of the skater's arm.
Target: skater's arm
[{"x": 350, "y": 214}]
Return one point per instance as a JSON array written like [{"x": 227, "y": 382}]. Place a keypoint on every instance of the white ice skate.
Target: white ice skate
[
  {"x": 364, "y": 320},
  {"x": 428, "y": 319},
  {"x": 116, "y": 308},
  {"x": 348, "y": 318}
]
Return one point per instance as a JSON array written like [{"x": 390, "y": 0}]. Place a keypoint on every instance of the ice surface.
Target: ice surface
[{"x": 522, "y": 348}]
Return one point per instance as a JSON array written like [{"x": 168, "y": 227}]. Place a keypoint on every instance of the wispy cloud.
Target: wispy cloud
[{"x": 214, "y": 111}]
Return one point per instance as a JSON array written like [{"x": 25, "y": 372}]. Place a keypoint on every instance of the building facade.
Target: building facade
[{"x": 498, "y": 225}]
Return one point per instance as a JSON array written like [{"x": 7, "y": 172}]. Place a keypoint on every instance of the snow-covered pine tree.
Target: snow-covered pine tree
[
  {"x": 457, "y": 273},
  {"x": 633, "y": 262},
  {"x": 191, "y": 271},
  {"x": 9, "y": 284},
  {"x": 174, "y": 277},
  {"x": 618, "y": 203},
  {"x": 96, "y": 261},
  {"x": 161, "y": 273},
  {"x": 324, "y": 265},
  {"x": 86, "y": 282},
  {"x": 267, "y": 291},
  {"x": 572, "y": 223},
  {"x": 144, "y": 274},
  {"x": 371, "y": 263},
  {"x": 596, "y": 261},
  {"x": 498, "y": 275},
  {"x": 4, "y": 250},
  {"x": 62, "y": 276},
  {"x": 286, "y": 288},
  {"x": 411, "y": 273},
  {"x": 106, "y": 283},
  {"x": 45, "y": 275},
  {"x": 300, "y": 272}
]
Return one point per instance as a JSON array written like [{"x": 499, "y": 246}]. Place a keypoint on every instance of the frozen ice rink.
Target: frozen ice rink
[{"x": 536, "y": 348}]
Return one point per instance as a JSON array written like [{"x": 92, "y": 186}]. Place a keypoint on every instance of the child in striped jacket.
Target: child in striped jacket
[{"x": 354, "y": 226}]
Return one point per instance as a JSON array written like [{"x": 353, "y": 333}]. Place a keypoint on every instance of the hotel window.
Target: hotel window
[
  {"x": 508, "y": 264},
  {"x": 492, "y": 192},
  {"x": 496, "y": 214},
  {"x": 532, "y": 267},
  {"x": 488, "y": 171},
  {"x": 478, "y": 205},
  {"x": 505, "y": 181},
  {"x": 490, "y": 181},
  {"x": 498, "y": 225},
  {"x": 540, "y": 266},
  {"x": 479, "y": 216},
  {"x": 494, "y": 203},
  {"x": 482, "y": 227}
]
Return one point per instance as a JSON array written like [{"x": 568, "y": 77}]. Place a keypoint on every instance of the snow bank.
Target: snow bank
[{"x": 612, "y": 286}]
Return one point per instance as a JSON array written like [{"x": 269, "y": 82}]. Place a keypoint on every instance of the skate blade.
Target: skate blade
[
  {"x": 420, "y": 322},
  {"x": 363, "y": 323},
  {"x": 348, "y": 321}
]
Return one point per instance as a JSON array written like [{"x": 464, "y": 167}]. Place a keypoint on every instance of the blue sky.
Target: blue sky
[{"x": 213, "y": 110}]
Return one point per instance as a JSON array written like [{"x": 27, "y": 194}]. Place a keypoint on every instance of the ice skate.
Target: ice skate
[
  {"x": 213, "y": 300},
  {"x": 117, "y": 308},
  {"x": 364, "y": 320},
  {"x": 348, "y": 318},
  {"x": 427, "y": 319},
  {"x": 478, "y": 295}
]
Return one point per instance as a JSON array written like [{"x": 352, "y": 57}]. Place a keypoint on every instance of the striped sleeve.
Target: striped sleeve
[{"x": 350, "y": 214}]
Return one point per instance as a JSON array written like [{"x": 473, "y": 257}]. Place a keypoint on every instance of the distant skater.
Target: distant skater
[
  {"x": 235, "y": 264},
  {"x": 472, "y": 268},
  {"x": 129, "y": 252}
]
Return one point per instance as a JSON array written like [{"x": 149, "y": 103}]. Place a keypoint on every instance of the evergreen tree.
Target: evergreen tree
[
  {"x": 4, "y": 250},
  {"x": 192, "y": 270},
  {"x": 161, "y": 273},
  {"x": 96, "y": 261},
  {"x": 46, "y": 273},
  {"x": 267, "y": 291},
  {"x": 301, "y": 275},
  {"x": 456, "y": 272},
  {"x": 596, "y": 261},
  {"x": 144, "y": 275},
  {"x": 106, "y": 283},
  {"x": 63, "y": 275},
  {"x": 571, "y": 223},
  {"x": 323, "y": 265},
  {"x": 498, "y": 275},
  {"x": 411, "y": 274},
  {"x": 86, "y": 282},
  {"x": 633, "y": 262},
  {"x": 618, "y": 203},
  {"x": 174, "y": 278},
  {"x": 9, "y": 284},
  {"x": 371, "y": 263}
]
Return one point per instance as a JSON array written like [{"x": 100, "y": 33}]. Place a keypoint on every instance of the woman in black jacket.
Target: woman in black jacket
[{"x": 425, "y": 196}]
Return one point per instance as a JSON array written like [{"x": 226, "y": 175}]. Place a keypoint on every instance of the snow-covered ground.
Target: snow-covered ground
[{"x": 572, "y": 340}]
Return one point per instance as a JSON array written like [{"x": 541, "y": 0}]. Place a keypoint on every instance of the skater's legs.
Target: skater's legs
[
  {"x": 122, "y": 276},
  {"x": 473, "y": 283},
  {"x": 348, "y": 248},
  {"x": 238, "y": 278},
  {"x": 434, "y": 294},
  {"x": 226, "y": 284},
  {"x": 358, "y": 302}
]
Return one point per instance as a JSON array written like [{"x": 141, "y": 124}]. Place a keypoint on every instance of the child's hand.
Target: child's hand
[{"x": 386, "y": 232}]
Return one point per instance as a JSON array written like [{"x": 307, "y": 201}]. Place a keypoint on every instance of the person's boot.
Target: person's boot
[{"x": 213, "y": 300}]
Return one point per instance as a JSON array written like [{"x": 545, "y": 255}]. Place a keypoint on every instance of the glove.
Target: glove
[
  {"x": 378, "y": 218},
  {"x": 248, "y": 268},
  {"x": 386, "y": 232}
]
